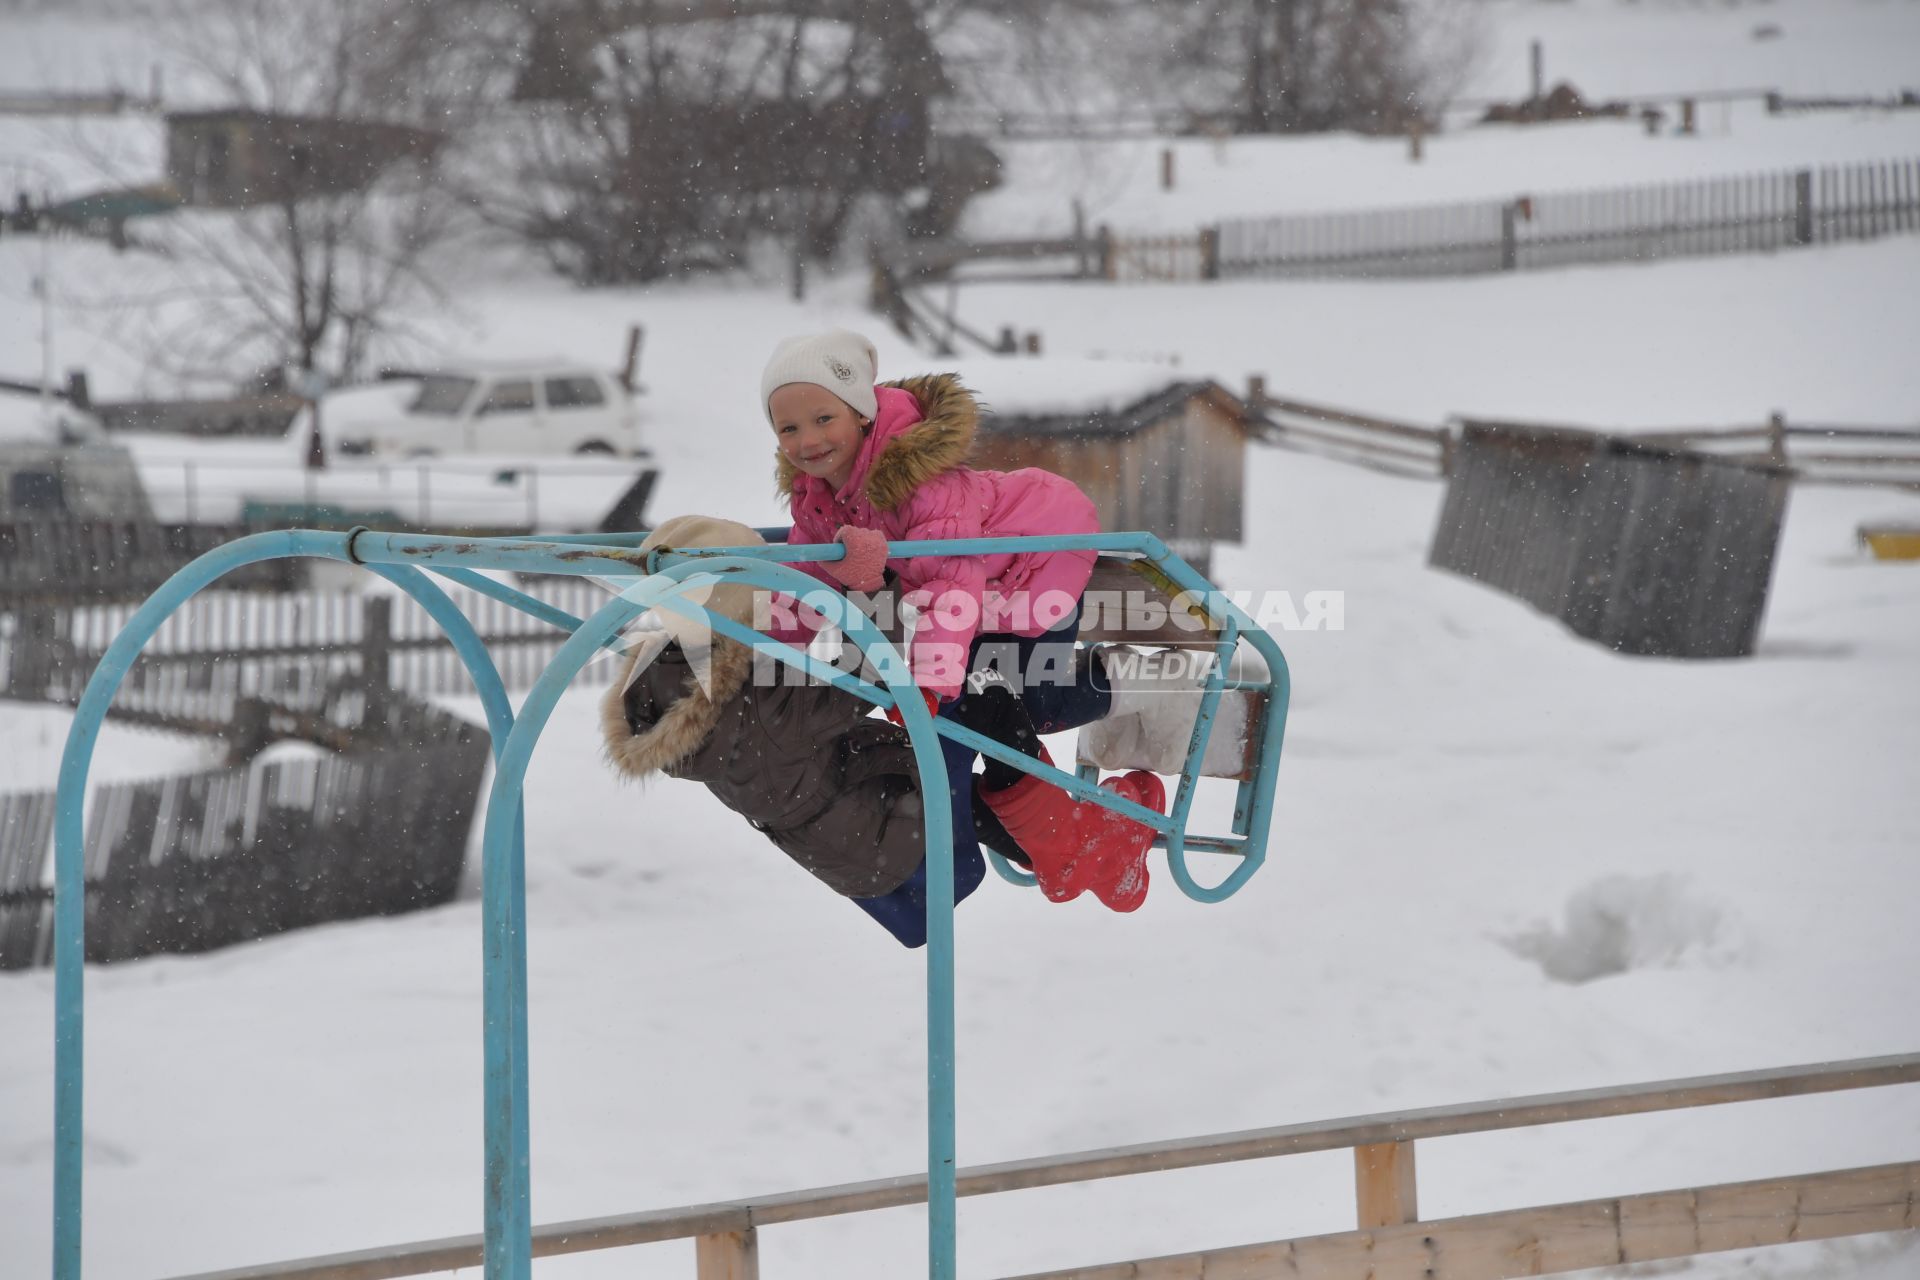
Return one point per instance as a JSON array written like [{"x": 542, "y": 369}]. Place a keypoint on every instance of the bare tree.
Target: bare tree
[
  {"x": 324, "y": 254},
  {"x": 1285, "y": 66},
  {"x": 663, "y": 137}
]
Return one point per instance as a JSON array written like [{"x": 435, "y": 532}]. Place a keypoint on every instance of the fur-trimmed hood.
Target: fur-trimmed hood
[
  {"x": 925, "y": 426},
  {"x": 656, "y": 716}
]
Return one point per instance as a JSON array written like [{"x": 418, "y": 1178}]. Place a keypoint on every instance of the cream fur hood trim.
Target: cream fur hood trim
[{"x": 687, "y": 722}]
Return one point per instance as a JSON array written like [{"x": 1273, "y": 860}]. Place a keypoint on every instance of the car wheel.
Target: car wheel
[{"x": 598, "y": 447}]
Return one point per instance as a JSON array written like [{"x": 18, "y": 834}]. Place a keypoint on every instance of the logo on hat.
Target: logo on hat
[{"x": 841, "y": 369}]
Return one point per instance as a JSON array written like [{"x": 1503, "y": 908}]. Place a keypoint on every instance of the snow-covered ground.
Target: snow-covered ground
[
  {"x": 1470, "y": 799},
  {"x": 1475, "y": 808}
]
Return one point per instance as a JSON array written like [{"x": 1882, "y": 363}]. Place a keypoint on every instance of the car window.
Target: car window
[
  {"x": 441, "y": 395},
  {"x": 510, "y": 397},
  {"x": 574, "y": 393}
]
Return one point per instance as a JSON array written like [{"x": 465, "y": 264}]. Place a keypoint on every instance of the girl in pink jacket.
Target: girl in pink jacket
[{"x": 864, "y": 465}]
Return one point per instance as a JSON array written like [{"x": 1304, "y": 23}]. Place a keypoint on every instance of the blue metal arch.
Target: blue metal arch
[{"x": 669, "y": 577}]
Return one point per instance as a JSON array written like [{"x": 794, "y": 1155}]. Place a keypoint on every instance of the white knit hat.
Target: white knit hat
[{"x": 838, "y": 360}]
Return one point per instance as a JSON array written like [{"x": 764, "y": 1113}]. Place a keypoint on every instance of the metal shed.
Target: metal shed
[
  {"x": 1173, "y": 463},
  {"x": 1655, "y": 551}
]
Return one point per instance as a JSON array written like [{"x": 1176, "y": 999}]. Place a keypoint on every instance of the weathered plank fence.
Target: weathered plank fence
[
  {"x": 1808, "y": 452},
  {"x": 203, "y": 860},
  {"x": 1652, "y": 551},
  {"x": 1392, "y": 1242},
  {"x": 1747, "y": 213},
  {"x": 64, "y": 558},
  {"x": 1744, "y": 214},
  {"x": 291, "y": 649}
]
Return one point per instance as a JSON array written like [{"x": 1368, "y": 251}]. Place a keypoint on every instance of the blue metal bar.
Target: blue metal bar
[
  {"x": 508, "y": 1225},
  {"x": 1196, "y": 753},
  {"x": 1259, "y": 808},
  {"x": 910, "y": 548},
  {"x": 479, "y": 582},
  {"x": 69, "y": 852},
  {"x": 942, "y": 1217},
  {"x": 1071, "y": 783},
  {"x": 506, "y": 1207}
]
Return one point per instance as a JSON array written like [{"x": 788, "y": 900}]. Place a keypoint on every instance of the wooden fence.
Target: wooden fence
[
  {"x": 292, "y": 650},
  {"x": 1810, "y": 453},
  {"x": 1392, "y": 1242},
  {"x": 1748, "y": 213},
  {"x": 1645, "y": 550},
  {"x": 61, "y": 559},
  {"x": 65, "y": 558},
  {"x": 1744, "y": 214},
  {"x": 203, "y": 860}
]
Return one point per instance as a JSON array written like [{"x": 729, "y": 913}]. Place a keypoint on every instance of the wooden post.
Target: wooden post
[
  {"x": 1687, "y": 117},
  {"x": 1416, "y": 141},
  {"x": 1166, "y": 168},
  {"x": 730, "y": 1255},
  {"x": 1509, "y": 252},
  {"x": 1033, "y": 342},
  {"x": 1009, "y": 343},
  {"x": 1538, "y": 59},
  {"x": 1210, "y": 253},
  {"x": 630, "y": 367},
  {"x": 1777, "y": 437},
  {"x": 1256, "y": 390},
  {"x": 1384, "y": 1185},
  {"x": 1803, "y": 207},
  {"x": 376, "y": 643},
  {"x": 1106, "y": 252}
]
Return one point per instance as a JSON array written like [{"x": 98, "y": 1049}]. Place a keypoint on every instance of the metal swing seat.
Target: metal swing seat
[{"x": 1186, "y": 612}]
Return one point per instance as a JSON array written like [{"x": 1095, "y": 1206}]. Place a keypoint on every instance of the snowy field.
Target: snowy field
[{"x": 1475, "y": 809}]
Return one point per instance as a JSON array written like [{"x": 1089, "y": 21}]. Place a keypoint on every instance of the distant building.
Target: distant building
[
  {"x": 1171, "y": 462},
  {"x": 236, "y": 158}
]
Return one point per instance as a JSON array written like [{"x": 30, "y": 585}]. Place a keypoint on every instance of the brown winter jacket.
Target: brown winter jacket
[{"x": 834, "y": 789}]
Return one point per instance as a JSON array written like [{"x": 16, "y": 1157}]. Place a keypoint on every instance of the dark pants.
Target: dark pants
[{"x": 1054, "y": 705}]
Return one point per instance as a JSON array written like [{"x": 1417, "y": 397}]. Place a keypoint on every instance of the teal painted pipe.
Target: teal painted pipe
[
  {"x": 69, "y": 856},
  {"x": 508, "y": 1225}
]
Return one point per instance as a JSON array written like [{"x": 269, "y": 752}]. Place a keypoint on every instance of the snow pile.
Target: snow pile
[{"x": 1621, "y": 923}]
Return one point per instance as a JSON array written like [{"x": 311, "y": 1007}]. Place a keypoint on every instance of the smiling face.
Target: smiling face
[{"x": 817, "y": 431}]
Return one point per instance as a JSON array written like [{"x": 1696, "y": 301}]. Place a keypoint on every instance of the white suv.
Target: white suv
[{"x": 495, "y": 409}]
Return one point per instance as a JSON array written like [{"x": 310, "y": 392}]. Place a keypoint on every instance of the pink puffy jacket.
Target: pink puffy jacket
[{"x": 911, "y": 481}]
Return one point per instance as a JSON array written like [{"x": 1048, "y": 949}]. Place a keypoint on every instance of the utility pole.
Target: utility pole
[{"x": 44, "y": 287}]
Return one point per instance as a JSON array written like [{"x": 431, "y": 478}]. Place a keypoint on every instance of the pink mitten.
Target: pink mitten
[{"x": 864, "y": 566}]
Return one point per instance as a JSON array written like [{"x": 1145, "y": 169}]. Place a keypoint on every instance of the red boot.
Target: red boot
[
  {"x": 1077, "y": 845},
  {"x": 1120, "y": 879}
]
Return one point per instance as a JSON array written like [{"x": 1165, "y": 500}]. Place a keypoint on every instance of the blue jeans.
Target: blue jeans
[{"x": 1054, "y": 705}]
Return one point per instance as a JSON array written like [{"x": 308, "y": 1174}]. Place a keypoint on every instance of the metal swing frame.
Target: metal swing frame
[{"x": 663, "y": 578}]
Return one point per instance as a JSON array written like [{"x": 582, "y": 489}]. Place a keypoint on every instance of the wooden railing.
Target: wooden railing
[
  {"x": 1353, "y": 437},
  {"x": 1812, "y": 453},
  {"x": 1391, "y": 1240}
]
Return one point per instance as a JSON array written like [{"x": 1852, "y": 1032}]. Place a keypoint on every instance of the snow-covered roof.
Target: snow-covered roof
[
  {"x": 23, "y": 420},
  {"x": 1041, "y": 386}
]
